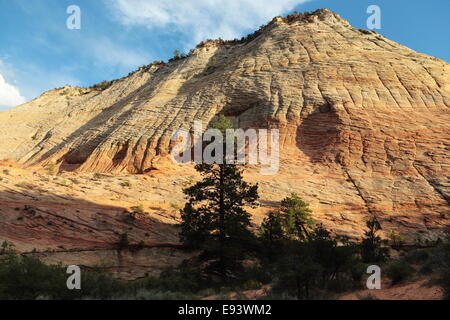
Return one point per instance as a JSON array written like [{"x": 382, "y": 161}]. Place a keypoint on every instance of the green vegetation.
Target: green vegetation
[
  {"x": 125, "y": 183},
  {"x": 178, "y": 56},
  {"x": 102, "y": 85},
  {"x": 295, "y": 16},
  {"x": 313, "y": 264},
  {"x": 373, "y": 248},
  {"x": 74, "y": 181},
  {"x": 214, "y": 219},
  {"x": 299, "y": 259},
  {"x": 222, "y": 123},
  {"x": 51, "y": 168},
  {"x": 398, "y": 271},
  {"x": 271, "y": 236},
  {"x": 437, "y": 262},
  {"x": 396, "y": 239},
  {"x": 98, "y": 176},
  {"x": 296, "y": 218},
  {"x": 318, "y": 266},
  {"x": 27, "y": 278},
  {"x": 136, "y": 210},
  {"x": 290, "y": 255},
  {"x": 6, "y": 248},
  {"x": 23, "y": 185},
  {"x": 139, "y": 208},
  {"x": 444, "y": 274}
]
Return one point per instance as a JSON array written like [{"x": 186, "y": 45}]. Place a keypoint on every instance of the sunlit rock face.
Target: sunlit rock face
[{"x": 364, "y": 122}]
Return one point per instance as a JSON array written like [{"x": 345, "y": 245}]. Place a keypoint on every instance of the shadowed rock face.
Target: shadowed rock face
[{"x": 364, "y": 122}]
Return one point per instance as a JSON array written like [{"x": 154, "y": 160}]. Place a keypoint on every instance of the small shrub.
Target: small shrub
[
  {"x": 399, "y": 271},
  {"x": 6, "y": 247},
  {"x": 397, "y": 239},
  {"x": 252, "y": 285},
  {"x": 442, "y": 264},
  {"x": 139, "y": 209},
  {"x": 98, "y": 176},
  {"x": 102, "y": 85},
  {"x": 51, "y": 168},
  {"x": 74, "y": 181},
  {"x": 417, "y": 256},
  {"x": 174, "y": 280},
  {"x": 357, "y": 270},
  {"x": 125, "y": 184},
  {"x": 23, "y": 185}
]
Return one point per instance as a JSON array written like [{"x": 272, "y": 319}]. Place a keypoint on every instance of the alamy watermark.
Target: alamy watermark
[
  {"x": 262, "y": 148},
  {"x": 73, "y": 22},
  {"x": 74, "y": 280},
  {"x": 374, "y": 280},
  {"x": 374, "y": 20}
]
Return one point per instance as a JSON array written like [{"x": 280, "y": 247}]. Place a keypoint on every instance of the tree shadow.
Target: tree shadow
[{"x": 37, "y": 218}]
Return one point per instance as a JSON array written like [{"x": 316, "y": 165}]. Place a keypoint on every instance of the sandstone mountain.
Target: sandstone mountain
[{"x": 364, "y": 130}]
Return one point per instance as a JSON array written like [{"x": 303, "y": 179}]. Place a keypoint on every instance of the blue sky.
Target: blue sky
[{"x": 38, "y": 52}]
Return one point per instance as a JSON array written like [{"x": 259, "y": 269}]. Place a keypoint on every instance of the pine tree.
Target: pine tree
[
  {"x": 271, "y": 234},
  {"x": 297, "y": 217},
  {"x": 176, "y": 54},
  {"x": 214, "y": 218},
  {"x": 371, "y": 245}
]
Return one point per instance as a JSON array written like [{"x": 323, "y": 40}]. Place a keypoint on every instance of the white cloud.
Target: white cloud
[
  {"x": 33, "y": 79},
  {"x": 201, "y": 19},
  {"x": 9, "y": 95}
]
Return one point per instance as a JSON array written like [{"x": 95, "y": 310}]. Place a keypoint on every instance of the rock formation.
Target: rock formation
[{"x": 364, "y": 121}]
